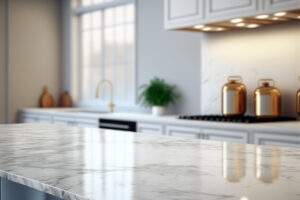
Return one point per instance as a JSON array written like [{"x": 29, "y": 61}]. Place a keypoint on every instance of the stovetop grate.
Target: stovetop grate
[{"x": 236, "y": 119}]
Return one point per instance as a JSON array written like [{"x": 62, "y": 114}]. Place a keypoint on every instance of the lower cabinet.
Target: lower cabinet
[
  {"x": 78, "y": 122},
  {"x": 59, "y": 120},
  {"x": 257, "y": 136},
  {"x": 68, "y": 121},
  {"x": 35, "y": 118},
  {"x": 273, "y": 139},
  {"x": 226, "y": 135},
  {"x": 150, "y": 128},
  {"x": 186, "y": 132},
  {"x": 87, "y": 122}
]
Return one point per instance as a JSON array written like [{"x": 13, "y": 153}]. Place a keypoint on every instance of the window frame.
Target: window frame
[{"x": 75, "y": 63}]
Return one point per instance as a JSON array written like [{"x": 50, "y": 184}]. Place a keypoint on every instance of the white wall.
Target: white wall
[
  {"x": 2, "y": 61},
  {"x": 35, "y": 51},
  {"x": 269, "y": 52},
  {"x": 171, "y": 55}
]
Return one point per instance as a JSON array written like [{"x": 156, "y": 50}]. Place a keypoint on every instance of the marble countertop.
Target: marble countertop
[
  {"x": 83, "y": 163},
  {"x": 292, "y": 127}
]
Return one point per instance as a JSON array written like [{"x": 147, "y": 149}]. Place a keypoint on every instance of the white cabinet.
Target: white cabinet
[
  {"x": 29, "y": 119},
  {"x": 183, "y": 12},
  {"x": 67, "y": 121},
  {"x": 187, "y": 13},
  {"x": 181, "y": 131},
  {"x": 225, "y": 9},
  {"x": 273, "y": 139},
  {"x": 35, "y": 118},
  {"x": 59, "y": 119},
  {"x": 280, "y": 5},
  {"x": 46, "y": 119},
  {"x": 226, "y": 135},
  {"x": 210, "y": 131},
  {"x": 150, "y": 128},
  {"x": 87, "y": 124}
]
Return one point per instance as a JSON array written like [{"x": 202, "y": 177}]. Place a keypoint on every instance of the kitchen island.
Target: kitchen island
[{"x": 88, "y": 163}]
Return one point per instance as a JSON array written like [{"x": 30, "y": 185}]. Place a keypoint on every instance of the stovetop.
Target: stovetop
[{"x": 237, "y": 119}]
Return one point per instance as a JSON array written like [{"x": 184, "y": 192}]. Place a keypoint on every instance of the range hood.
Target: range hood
[{"x": 247, "y": 22}]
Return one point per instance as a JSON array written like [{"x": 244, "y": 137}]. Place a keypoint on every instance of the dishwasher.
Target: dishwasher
[{"x": 117, "y": 125}]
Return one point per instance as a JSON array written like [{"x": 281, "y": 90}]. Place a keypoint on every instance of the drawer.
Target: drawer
[
  {"x": 68, "y": 121},
  {"x": 31, "y": 118},
  {"x": 273, "y": 139},
  {"x": 182, "y": 131},
  {"x": 226, "y": 135},
  {"x": 150, "y": 128},
  {"x": 87, "y": 122}
]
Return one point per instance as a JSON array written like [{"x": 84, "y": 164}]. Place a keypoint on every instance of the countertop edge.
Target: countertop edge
[{"x": 42, "y": 187}]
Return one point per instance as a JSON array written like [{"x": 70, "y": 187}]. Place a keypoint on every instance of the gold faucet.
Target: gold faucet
[{"x": 111, "y": 105}]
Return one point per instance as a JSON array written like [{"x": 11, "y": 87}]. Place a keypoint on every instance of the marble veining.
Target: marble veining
[{"x": 83, "y": 163}]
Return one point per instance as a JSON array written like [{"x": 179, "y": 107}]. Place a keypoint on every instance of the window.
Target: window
[{"x": 106, "y": 50}]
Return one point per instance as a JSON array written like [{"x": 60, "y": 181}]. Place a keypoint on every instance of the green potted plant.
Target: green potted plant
[{"x": 158, "y": 95}]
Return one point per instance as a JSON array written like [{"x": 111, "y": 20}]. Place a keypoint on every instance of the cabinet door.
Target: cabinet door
[
  {"x": 45, "y": 119},
  {"x": 180, "y": 13},
  {"x": 35, "y": 118},
  {"x": 150, "y": 128},
  {"x": 228, "y": 9},
  {"x": 89, "y": 123},
  {"x": 29, "y": 119},
  {"x": 281, "y": 5},
  {"x": 226, "y": 135},
  {"x": 67, "y": 121},
  {"x": 186, "y": 132},
  {"x": 86, "y": 125},
  {"x": 277, "y": 140}
]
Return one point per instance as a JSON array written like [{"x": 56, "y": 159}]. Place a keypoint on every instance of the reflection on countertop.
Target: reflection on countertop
[
  {"x": 267, "y": 162},
  {"x": 234, "y": 161},
  {"x": 83, "y": 163}
]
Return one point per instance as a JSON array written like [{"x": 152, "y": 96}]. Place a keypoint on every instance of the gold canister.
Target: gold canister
[
  {"x": 267, "y": 99},
  {"x": 298, "y": 100},
  {"x": 234, "y": 97}
]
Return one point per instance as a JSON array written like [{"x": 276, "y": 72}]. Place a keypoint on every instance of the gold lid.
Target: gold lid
[
  {"x": 264, "y": 87},
  {"x": 234, "y": 82}
]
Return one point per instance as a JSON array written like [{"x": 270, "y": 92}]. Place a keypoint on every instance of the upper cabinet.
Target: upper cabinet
[
  {"x": 228, "y": 9},
  {"x": 279, "y": 5},
  {"x": 183, "y": 12},
  {"x": 222, "y": 15}
]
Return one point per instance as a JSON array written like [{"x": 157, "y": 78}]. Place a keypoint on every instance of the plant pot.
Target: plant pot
[{"x": 158, "y": 110}]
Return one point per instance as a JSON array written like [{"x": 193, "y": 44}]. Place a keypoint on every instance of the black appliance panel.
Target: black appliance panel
[{"x": 117, "y": 125}]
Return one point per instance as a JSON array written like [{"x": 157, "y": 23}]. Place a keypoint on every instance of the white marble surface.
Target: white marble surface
[
  {"x": 82, "y": 163},
  {"x": 292, "y": 127}
]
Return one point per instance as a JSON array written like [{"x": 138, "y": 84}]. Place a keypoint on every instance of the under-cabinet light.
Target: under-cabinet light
[
  {"x": 207, "y": 29},
  {"x": 220, "y": 29},
  {"x": 262, "y": 16},
  {"x": 280, "y": 14},
  {"x": 237, "y": 20},
  {"x": 198, "y": 26},
  {"x": 241, "y": 24},
  {"x": 252, "y": 22},
  {"x": 252, "y": 26}
]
